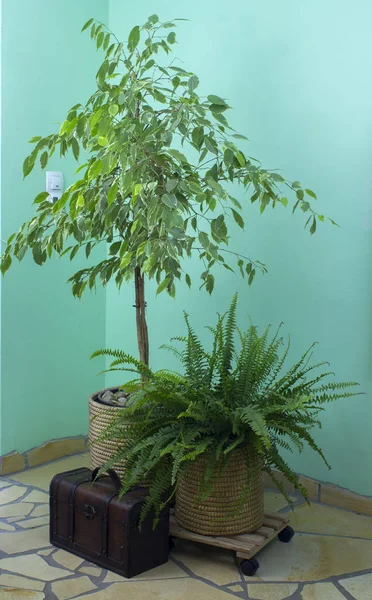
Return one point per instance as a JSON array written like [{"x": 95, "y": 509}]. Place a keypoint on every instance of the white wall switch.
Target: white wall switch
[{"x": 54, "y": 185}]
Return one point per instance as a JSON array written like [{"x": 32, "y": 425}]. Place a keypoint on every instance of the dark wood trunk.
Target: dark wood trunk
[
  {"x": 91, "y": 521},
  {"x": 142, "y": 332}
]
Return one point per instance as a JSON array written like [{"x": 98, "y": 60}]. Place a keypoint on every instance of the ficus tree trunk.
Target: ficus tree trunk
[{"x": 142, "y": 332}]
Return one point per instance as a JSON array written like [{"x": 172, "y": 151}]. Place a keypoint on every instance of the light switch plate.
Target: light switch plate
[{"x": 54, "y": 184}]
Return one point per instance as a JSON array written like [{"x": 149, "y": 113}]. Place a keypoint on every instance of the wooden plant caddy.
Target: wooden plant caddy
[{"x": 246, "y": 545}]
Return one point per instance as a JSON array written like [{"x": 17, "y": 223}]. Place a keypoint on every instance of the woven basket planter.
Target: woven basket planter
[
  {"x": 215, "y": 516},
  {"x": 100, "y": 416}
]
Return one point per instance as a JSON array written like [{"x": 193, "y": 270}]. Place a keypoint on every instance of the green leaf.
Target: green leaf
[
  {"x": 228, "y": 157},
  {"x": 169, "y": 200},
  {"x": 311, "y": 193},
  {"x": 204, "y": 240},
  {"x": 114, "y": 248},
  {"x": 35, "y": 139},
  {"x": 171, "y": 184},
  {"x": 188, "y": 279},
  {"x": 163, "y": 285},
  {"x": 241, "y": 158},
  {"x": 44, "y": 159},
  {"x": 211, "y": 144},
  {"x": 171, "y": 37},
  {"x": 6, "y": 262},
  {"x": 74, "y": 252},
  {"x": 95, "y": 169},
  {"x": 239, "y": 136},
  {"x": 102, "y": 140},
  {"x": 209, "y": 283},
  {"x": 296, "y": 184},
  {"x": 300, "y": 194},
  {"x": 121, "y": 98},
  {"x": 153, "y": 19},
  {"x": 284, "y": 201},
  {"x": 87, "y": 24},
  {"x": 41, "y": 197},
  {"x": 107, "y": 41},
  {"x": 125, "y": 261},
  {"x": 197, "y": 136},
  {"x": 216, "y": 100},
  {"x": 178, "y": 155},
  {"x": 237, "y": 218},
  {"x": 80, "y": 201},
  {"x": 313, "y": 226},
  {"x": 193, "y": 83},
  {"x": 251, "y": 276},
  {"x": 100, "y": 39},
  {"x": 112, "y": 193},
  {"x": 113, "y": 109},
  {"x": 134, "y": 38},
  {"x": 28, "y": 165},
  {"x": 218, "y": 108},
  {"x": 75, "y": 148}
]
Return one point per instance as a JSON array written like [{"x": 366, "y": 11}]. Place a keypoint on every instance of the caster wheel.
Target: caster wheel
[
  {"x": 171, "y": 544},
  {"x": 250, "y": 567},
  {"x": 286, "y": 535}
]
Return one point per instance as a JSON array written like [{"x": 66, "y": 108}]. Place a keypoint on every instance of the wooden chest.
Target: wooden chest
[{"x": 89, "y": 520}]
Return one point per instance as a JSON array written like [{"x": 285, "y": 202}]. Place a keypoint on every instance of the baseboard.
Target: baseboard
[
  {"x": 52, "y": 450},
  {"x": 326, "y": 493}
]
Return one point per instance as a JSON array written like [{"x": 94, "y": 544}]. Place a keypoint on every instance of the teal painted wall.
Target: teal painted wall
[
  {"x": 47, "y": 336},
  {"x": 298, "y": 76}
]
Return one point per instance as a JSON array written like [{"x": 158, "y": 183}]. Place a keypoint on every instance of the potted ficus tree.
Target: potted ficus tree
[{"x": 154, "y": 183}]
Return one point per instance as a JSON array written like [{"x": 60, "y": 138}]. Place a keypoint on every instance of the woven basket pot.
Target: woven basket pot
[
  {"x": 216, "y": 515},
  {"x": 100, "y": 416}
]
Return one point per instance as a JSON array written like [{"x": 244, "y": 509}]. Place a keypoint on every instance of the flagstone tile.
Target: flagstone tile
[
  {"x": 324, "y": 519},
  {"x": 32, "y": 523},
  {"x": 360, "y": 586},
  {"x": 34, "y": 566},
  {"x": 40, "y": 511},
  {"x": 206, "y": 561},
  {"x": 92, "y": 571},
  {"x": 37, "y": 496},
  {"x": 276, "y": 501},
  {"x": 46, "y": 552},
  {"x": 32, "y": 539},
  {"x": 4, "y": 484},
  {"x": 6, "y": 527},
  {"x": 270, "y": 591},
  {"x": 67, "y": 560},
  {"x": 173, "y": 589},
  {"x": 323, "y": 591},
  {"x": 41, "y": 476},
  {"x": 236, "y": 588},
  {"x": 69, "y": 588},
  {"x": 312, "y": 557},
  {"x": 18, "y": 509},
  {"x": 12, "y": 493},
  {"x": 167, "y": 571},
  {"x": 19, "y": 594},
  {"x": 16, "y": 581}
]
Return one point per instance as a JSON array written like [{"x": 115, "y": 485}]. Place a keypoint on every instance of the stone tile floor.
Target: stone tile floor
[{"x": 330, "y": 558}]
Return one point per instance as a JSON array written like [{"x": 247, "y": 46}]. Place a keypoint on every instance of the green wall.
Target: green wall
[
  {"x": 46, "y": 335},
  {"x": 298, "y": 77}
]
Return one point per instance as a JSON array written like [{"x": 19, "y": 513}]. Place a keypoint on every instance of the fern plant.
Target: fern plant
[{"x": 236, "y": 395}]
